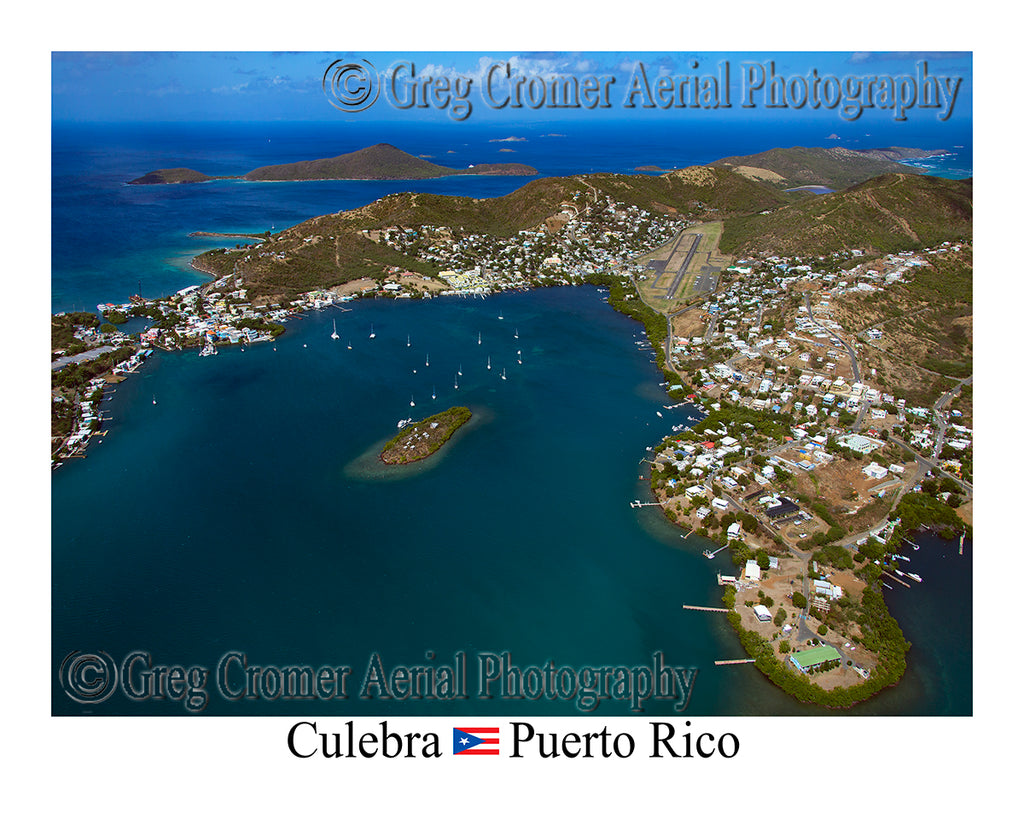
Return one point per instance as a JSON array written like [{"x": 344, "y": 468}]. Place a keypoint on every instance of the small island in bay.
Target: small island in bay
[{"x": 422, "y": 439}]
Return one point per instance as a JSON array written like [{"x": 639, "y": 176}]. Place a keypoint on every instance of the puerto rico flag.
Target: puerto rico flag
[{"x": 474, "y": 741}]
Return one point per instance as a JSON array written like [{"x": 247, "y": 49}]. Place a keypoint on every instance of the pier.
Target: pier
[
  {"x": 704, "y": 608},
  {"x": 709, "y": 554},
  {"x": 891, "y": 577},
  {"x": 734, "y": 662},
  {"x": 635, "y": 504}
]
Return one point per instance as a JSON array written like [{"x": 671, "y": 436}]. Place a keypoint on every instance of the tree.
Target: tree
[
  {"x": 780, "y": 616},
  {"x": 822, "y": 629},
  {"x": 762, "y": 559},
  {"x": 799, "y": 600}
]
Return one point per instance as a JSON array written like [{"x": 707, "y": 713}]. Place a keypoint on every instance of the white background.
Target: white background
[{"x": 202, "y": 767}]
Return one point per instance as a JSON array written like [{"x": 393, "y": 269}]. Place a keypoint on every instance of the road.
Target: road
[
  {"x": 678, "y": 280},
  {"x": 88, "y": 355},
  {"x": 835, "y": 338},
  {"x": 937, "y": 410}
]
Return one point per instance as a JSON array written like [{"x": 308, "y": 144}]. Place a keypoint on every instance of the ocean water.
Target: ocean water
[{"x": 235, "y": 504}]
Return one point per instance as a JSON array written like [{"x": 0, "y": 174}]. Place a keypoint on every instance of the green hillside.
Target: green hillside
[
  {"x": 376, "y": 162},
  {"x": 885, "y": 214},
  {"x": 171, "y": 176},
  {"x": 832, "y": 167}
]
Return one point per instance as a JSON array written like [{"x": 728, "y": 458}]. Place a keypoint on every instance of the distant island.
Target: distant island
[
  {"x": 421, "y": 440},
  {"x": 381, "y": 161}
]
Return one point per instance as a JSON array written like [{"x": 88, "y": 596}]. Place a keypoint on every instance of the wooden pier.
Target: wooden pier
[
  {"x": 893, "y": 577},
  {"x": 734, "y": 662},
  {"x": 704, "y": 608},
  {"x": 635, "y": 504}
]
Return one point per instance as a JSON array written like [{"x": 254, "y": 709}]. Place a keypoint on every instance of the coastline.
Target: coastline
[{"x": 626, "y": 298}]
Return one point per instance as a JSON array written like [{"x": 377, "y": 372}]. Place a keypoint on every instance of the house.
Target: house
[
  {"x": 875, "y": 471},
  {"x": 830, "y": 591},
  {"x": 735, "y": 530},
  {"x": 751, "y": 571},
  {"x": 762, "y": 613},
  {"x": 813, "y": 657}
]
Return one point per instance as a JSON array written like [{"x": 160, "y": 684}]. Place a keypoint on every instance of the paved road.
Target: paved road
[
  {"x": 835, "y": 338},
  {"x": 937, "y": 409},
  {"x": 678, "y": 280},
  {"x": 88, "y": 355}
]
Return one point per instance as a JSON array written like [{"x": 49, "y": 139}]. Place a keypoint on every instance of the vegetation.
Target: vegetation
[
  {"x": 832, "y": 167},
  {"x": 381, "y": 161},
  {"x": 172, "y": 176},
  {"x": 887, "y": 214},
  {"x": 421, "y": 440}
]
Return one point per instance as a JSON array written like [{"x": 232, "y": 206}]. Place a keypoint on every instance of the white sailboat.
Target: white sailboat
[
  {"x": 372, "y": 334},
  {"x": 517, "y": 333},
  {"x": 456, "y": 382},
  {"x": 433, "y": 394},
  {"x": 412, "y": 401},
  {"x": 428, "y": 360},
  {"x": 408, "y": 341},
  {"x": 460, "y": 369},
  {"x": 335, "y": 335},
  {"x": 500, "y": 316},
  {"x": 479, "y": 339},
  {"x": 503, "y": 376},
  {"x": 488, "y": 362}
]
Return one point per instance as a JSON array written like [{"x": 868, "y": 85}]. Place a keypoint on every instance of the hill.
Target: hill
[
  {"x": 172, "y": 176},
  {"x": 381, "y": 161},
  {"x": 832, "y": 167},
  {"x": 892, "y": 212},
  {"x": 885, "y": 214},
  {"x": 376, "y": 162}
]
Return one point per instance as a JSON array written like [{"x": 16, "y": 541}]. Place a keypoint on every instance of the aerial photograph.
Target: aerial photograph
[{"x": 511, "y": 384}]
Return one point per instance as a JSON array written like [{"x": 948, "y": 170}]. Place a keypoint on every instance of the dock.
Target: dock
[
  {"x": 734, "y": 662},
  {"x": 704, "y": 608},
  {"x": 635, "y": 504},
  {"x": 891, "y": 577}
]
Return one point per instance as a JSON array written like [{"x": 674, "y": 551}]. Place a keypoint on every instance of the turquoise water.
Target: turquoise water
[
  {"x": 239, "y": 513},
  {"x": 244, "y": 511}
]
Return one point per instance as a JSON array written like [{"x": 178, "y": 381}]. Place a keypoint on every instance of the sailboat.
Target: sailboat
[
  {"x": 154, "y": 399},
  {"x": 412, "y": 402},
  {"x": 349, "y": 345},
  {"x": 479, "y": 339},
  {"x": 503, "y": 376},
  {"x": 456, "y": 382},
  {"x": 520, "y": 358},
  {"x": 335, "y": 335},
  {"x": 408, "y": 341},
  {"x": 433, "y": 394},
  {"x": 517, "y": 333},
  {"x": 488, "y": 362},
  {"x": 372, "y": 334},
  {"x": 500, "y": 316},
  {"x": 428, "y": 360},
  {"x": 460, "y": 369}
]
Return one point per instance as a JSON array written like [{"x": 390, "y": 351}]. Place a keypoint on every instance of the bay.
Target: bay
[{"x": 235, "y": 504}]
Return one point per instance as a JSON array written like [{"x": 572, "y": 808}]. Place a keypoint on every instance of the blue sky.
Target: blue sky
[{"x": 268, "y": 86}]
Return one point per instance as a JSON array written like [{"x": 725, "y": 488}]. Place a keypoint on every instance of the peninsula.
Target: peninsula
[
  {"x": 422, "y": 439},
  {"x": 827, "y": 340},
  {"x": 381, "y": 161}
]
